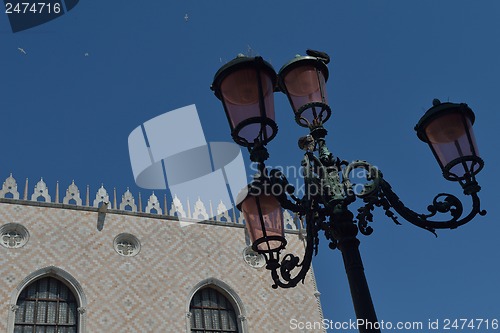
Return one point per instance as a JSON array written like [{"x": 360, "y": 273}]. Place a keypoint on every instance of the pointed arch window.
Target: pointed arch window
[
  {"x": 47, "y": 305},
  {"x": 212, "y": 312}
]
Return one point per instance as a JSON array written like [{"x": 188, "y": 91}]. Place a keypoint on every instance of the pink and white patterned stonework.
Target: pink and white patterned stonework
[{"x": 150, "y": 291}]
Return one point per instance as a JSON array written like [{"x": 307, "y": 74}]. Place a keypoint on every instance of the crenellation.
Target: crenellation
[
  {"x": 41, "y": 190},
  {"x": 101, "y": 196},
  {"x": 222, "y": 213},
  {"x": 9, "y": 186},
  {"x": 72, "y": 194},
  {"x": 153, "y": 204},
  {"x": 200, "y": 210},
  {"x": 196, "y": 211},
  {"x": 128, "y": 201},
  {"x": 177, "y": 209}
]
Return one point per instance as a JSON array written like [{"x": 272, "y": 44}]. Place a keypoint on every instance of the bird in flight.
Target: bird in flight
[
  {"x": 186, "y": 17},
  {"x": 86, "y": 54},
  {"x": 21, "y": 50}
]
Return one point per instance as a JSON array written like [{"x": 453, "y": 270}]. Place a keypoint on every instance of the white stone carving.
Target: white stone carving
[
  {"x": 114, "y": 199},
  {"x": 289, "y": 220},
  {"x": 72, "y": 193},
  {"x": 234, "y": 215},
  {"x": 252, "y": 258},
  {"x": 25, "y": 195},
  {"x": 177, "y": 208},
  {"x": 241, "y": 219},
  {"x": 41, "y": 190},
  {"x": 13, "y": 235},
  {"x": 87, "y": 196},
  {"x": 126, "y": 245},
  {"x": 57, "y": 192},
  {"x": 101, "y": 196},
  {"x": 128, "y": 200},
  {"x": 153, "y": 203},
  {"x": 200, "y": 212},
  {"x": 188, "y": 208},
  {"x": 211, "y": 209},
  {"x": 222, "y": 213},
  {"x": 9, "y": 186}
]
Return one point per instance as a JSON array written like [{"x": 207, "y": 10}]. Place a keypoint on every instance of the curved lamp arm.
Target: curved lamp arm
[
  {"x": 328, "y": 189},
  {"x": 282, "y": 273},
  {"x": 328, "y": 193},
  {"x": 385, "y": 197}
]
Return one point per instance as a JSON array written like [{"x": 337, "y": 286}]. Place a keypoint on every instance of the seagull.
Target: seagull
[
  {"x": 186, "y": 17},
  {"x": 86, "y": 54},
  {"x": 21, "y": 50},
  {"x": 319, "y": 54}
]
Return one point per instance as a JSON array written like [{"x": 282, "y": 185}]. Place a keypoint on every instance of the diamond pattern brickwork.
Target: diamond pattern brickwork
[{"x": 148, "y": 292}]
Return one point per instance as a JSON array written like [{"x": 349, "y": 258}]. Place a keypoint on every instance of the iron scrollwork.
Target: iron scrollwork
[{"x": 328, "y": 193}]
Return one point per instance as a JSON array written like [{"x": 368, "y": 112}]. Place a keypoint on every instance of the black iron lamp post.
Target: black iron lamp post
[{"x": 246, "y": 85}]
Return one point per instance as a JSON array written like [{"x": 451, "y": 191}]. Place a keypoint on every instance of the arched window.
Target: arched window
[
  {"x": 212, "y": 312},
  {"x": 47, "y": 305}
]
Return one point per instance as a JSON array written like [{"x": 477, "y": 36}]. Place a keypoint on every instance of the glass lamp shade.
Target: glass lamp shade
[
  {"x": 303, "y": 80},
  {"x": 245, "y": 86},
  {"x": 264, "y": 222},
  {"x": 447, "y": 129}
]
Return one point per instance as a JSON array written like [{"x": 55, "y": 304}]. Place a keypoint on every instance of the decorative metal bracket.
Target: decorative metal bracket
[{"x": 328, "y": 193}]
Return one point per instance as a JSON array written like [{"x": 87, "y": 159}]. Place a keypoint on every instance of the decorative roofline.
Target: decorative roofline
[{"x": 194, "y": 213}]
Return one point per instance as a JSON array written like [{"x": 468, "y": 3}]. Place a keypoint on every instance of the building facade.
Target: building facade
[{"x": 72, "y": 265}]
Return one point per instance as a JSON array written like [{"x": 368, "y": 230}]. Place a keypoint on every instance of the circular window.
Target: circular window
[
  {"x": 127, "y": 245},
  {"x": 253, "y": 258},
  {"x": 13, "y": 235}
]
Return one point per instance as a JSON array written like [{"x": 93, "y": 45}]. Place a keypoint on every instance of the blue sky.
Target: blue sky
[{"x": 67, "y": 116}]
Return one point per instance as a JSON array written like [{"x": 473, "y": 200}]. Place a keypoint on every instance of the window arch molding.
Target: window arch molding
[
  {"x": 59, "y": 274},
  {"x": 226, "y": 291}
]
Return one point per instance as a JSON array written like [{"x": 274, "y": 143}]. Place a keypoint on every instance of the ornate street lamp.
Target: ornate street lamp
[
  {"x": 303, "y": 80},
  {"x": 244, "y": 87},
  {"x": 264, "y": 220},
  {"x": 447, "y": 128}
]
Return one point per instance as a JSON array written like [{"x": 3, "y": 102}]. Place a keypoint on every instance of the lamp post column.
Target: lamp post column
[{"x": 345, "y": 231}]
